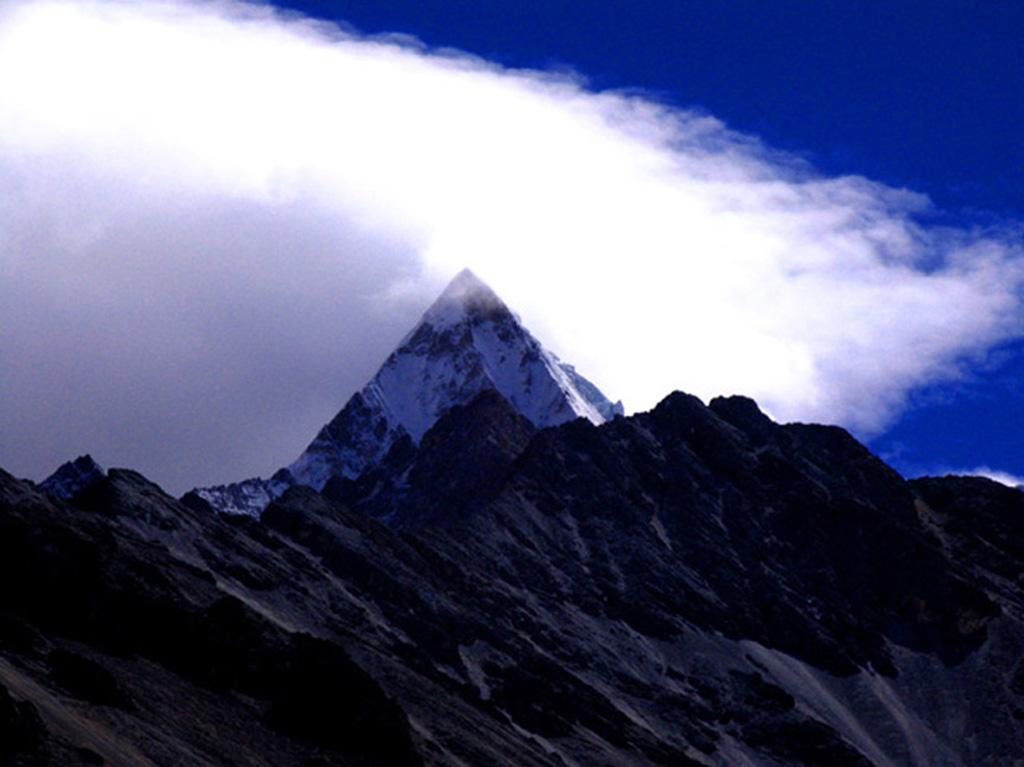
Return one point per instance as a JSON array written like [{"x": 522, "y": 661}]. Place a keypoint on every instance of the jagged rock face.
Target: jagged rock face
[
  {"x": 115, "y": 651},
  {"x": 459, "y": 464},
  {"x": 716, "y": 516},
  {"x": 670, "y": 527},
  {"x": 467, "y": 342},
  {"x": 691, "y": 586},
  {"x": 73, "y": 476},
  {"x": 983, "y": 522}
]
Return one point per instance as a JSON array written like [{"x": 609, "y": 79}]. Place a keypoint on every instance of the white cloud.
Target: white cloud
[{"x": 214, "y": 222}]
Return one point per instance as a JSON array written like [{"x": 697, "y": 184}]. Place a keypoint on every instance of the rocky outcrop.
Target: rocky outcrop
[
  {"x": 73, "y": 476},
  {"x": 117, "y": 651},
  {"x": 696, "y": 585}
]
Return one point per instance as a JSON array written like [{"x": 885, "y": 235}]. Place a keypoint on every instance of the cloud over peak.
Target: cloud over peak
[{"x": 215, "y": 220}]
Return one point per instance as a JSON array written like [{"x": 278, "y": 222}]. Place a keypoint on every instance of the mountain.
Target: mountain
[
  {"x": 73, "y": 476},
  {"x": 467, "y": 342},
  {"x": 694, "y": 585}
]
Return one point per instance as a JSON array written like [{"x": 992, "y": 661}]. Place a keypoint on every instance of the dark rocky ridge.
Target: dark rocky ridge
[
  {"x": 73, "y": 476},
  {"x": 112, "y": 638},
  {"x": 693, "y": 585},
  {"x": 458, "y": 466}
]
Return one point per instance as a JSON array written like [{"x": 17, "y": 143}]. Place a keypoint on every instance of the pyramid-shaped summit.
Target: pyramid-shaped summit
[
  {"x": 467, "y": 342},
  {"x": 466, "y": 296}
]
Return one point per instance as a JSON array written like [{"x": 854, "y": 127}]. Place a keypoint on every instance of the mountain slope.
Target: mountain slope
[
  {"x": 696, "y": 585},
  {"x": 467, "y": 342},
  {"x": 119, "y": 646}
]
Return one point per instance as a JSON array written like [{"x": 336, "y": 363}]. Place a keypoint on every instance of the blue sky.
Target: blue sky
[{"x": 216, "y": 219}]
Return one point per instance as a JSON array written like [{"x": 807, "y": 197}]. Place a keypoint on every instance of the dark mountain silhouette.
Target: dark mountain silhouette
[
  {"x": 73, "y": 476},
  {"x": 694, "y": 585}
]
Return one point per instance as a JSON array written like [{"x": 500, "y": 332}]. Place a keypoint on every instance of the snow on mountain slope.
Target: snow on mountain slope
[
  {"x": 467, "y": 342},
  {"x": 250, "y": 496}
]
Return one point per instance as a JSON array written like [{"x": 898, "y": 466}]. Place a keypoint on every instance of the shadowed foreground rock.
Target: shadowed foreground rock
[{"x": 696, "y": 585}]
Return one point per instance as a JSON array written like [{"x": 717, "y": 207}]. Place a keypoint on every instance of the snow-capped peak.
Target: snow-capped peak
[
  {"x": 466, "y": 296},
  {"x": 467, "y": 342}
]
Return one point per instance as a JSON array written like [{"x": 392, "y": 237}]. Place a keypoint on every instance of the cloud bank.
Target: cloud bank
[{"x": 216, "y": 221}]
